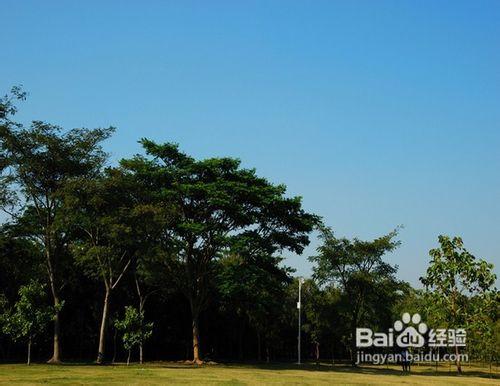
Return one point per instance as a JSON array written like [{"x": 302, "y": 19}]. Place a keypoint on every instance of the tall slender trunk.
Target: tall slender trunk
[
  {"x": 128, "y": 357},
  {"x": 56, "y": 354},
  {"x": 459, "y": 366},
  {"x": 29, "y": 352},
  {"x": 454, "y": 313},
  {"x": 142, "y": 302},
  {"x": 196, "y": 340},
  {"x": 141, "y": 310},
  {"x": 317, "y": 353},
  {"x": 102, "y": 332},
  {"x": 353, "y": 344}
]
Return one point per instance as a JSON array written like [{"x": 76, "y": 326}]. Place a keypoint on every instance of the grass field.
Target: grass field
[{"x": 181, "y": 374}]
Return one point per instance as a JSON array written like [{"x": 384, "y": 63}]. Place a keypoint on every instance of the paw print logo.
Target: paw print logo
[{"x": 410, "y": 336}]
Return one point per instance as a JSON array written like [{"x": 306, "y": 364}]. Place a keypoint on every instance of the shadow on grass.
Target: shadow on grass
[{"x": 426, "y": 371}]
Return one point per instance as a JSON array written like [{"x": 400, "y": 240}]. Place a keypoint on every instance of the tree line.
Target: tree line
[{"x": 184, "y": 257}]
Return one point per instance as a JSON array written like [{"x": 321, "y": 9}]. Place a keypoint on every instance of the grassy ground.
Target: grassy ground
[{"x": 181, "y": 374}]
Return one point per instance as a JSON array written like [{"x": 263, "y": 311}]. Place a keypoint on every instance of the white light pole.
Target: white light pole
[{"x": 299, "y": 306}]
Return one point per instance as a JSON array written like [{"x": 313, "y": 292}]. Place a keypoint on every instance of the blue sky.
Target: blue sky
[{"x": 378, "y": 113}]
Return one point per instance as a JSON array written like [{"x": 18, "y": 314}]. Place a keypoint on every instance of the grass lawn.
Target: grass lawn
[{"x": 182, "y": 374}]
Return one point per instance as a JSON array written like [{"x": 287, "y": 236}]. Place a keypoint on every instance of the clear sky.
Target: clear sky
[{"x": 378, "y": 113}]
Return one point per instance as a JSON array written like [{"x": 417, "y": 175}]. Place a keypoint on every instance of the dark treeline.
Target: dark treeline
[{"x": 165, "y": 257}]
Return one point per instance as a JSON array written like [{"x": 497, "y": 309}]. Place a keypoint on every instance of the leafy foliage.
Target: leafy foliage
[
  {"x": 30, "y": 316},
  {"x": 462, "y": 288},
  {"x": 219, "y": 207},
  {"x": 135, "y": 330},
  {"x": 357, "y": 267}
]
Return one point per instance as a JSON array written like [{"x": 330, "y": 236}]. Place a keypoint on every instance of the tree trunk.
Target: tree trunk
[
  {"x": 353, "y": 345},
  {"x": 142, "y": 300},
  {"x": 128, "y": 357},
  {"x": 459, "y": 366},
  {"x": 56, "y": 354},
  {"x": 29, "y": 352},
  {"x": 51, "y": 268},
  {"x": 141, "y": 310},
  {"x": 317, "y": 353},
  {"x": 102, "y": 332},
  {"x": 196, "y": 341}
]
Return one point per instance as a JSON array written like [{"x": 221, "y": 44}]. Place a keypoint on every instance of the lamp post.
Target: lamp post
[{"x": 299, "y": 306}]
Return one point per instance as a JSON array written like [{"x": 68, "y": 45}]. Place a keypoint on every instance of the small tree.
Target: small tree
[
  {"x": 135, "y": 331},
  {"x": 455, "y": 277},
  {"x": 30, "y": 315}
]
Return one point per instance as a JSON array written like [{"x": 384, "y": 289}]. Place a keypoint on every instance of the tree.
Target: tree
[
  {"x": 483, "y": 326},
  {"x": 113, "y": 221},
  {"x": 254, "y": 289},
  {"x": 220, "y": 207},
  {"x": 149, "y": 274},
  {"x": 148, "y": 281},
  {"x": 35, "y": 165},
  {"x": 356, "y": 266},
  {"x": 135, "y": 330},
  {"x": 454, "y": 275},
  {"x": 317, "y": 304},
  {"x": 30, "y": 315}
]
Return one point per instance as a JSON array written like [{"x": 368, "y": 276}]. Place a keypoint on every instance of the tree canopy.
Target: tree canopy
[{"x": 219, "y": 207}]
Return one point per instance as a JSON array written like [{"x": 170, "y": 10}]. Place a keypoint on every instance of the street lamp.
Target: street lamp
[{"x": 299, "y": 306}]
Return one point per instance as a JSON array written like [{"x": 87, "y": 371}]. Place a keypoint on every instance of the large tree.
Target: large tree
[
  {"x": 221, "y": 206},
  {"x": 461, "y": 286},
  {"x": 113, "y": 220},
  {"x": 36, "y": 163},
  {"x": 358, "y": 268}
]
